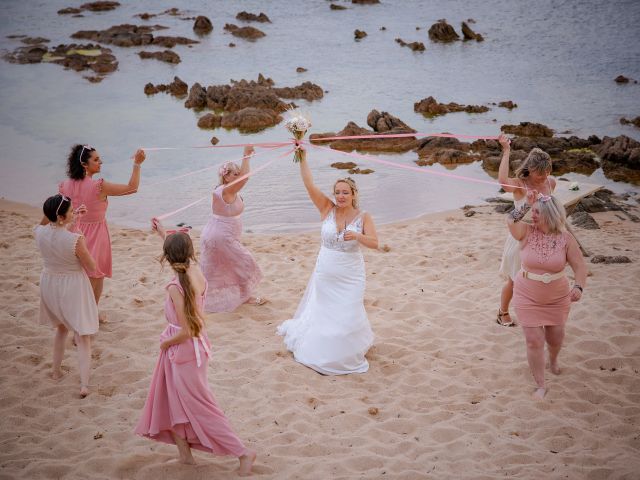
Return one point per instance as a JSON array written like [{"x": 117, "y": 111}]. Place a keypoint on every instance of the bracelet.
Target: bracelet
[
  {"x": 518, "y": 214},
  {"x": 578, "y": 287},
  {"x": 136, "y": 165}
]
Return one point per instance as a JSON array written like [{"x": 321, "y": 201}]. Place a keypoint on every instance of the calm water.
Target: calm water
[{"x": 555, "y": 59}]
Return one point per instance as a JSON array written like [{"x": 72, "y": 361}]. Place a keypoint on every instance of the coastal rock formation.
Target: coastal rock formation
[
  {"x": 621, "y": 79},
  {"x": 441, "y": 31},
  {"x": 74, "y": 56},
  {"x": 385, "y": 122},
  {"x": 100, "y": 6},
  {"x": 634, "y": 121},
  {"x": 430, "y": 107},
  {"x": 365, "y": 2},
  {"x": 132, "y": 35},
  {"x": 528, "y": 129},
  {"x": 359, "y": 34},
  {"x": 334, "y": 6},
  {"x": 177, "y": 88},
  {"x": 469, "y": 34},
  {"x": 415, "y": 46},
  {"x": 248, "y": 33},
  {"x": 620, "y": 150},
  {"x": 508, "y": 104},
  {"x": 69, "y": 11},
  {"x": 202, "y": 25},
  {"x": 167, "y": 56},
  {"x": 250, "y": 119},
  {"x": 252, "y": 17}
]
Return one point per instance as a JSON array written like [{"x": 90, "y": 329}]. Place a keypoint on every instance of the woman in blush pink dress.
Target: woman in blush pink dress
[
  {"x": 83, "y": 163},
  {"x": 542, "y": 295},
  {"x": 180, "y": 408},
  {"x": 230, "y": 269}
]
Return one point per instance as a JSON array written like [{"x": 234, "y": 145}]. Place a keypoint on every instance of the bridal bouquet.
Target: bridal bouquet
[{"x": 298, "y": 125}]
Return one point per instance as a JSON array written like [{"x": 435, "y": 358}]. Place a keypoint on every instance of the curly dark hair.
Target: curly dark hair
[{"x": 79, "y": 154}]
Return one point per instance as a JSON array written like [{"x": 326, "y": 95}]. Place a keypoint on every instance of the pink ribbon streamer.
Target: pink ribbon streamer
[
  {"x": 404, "y": 135},
  {"x": 231, "y": 145},
  {"x": 239, "y": 179}
]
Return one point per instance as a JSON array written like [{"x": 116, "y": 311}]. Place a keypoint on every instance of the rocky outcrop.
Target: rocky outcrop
[
  {"x": 469, "y": 34},
  {"x": 415, "y": 46},
  {"x": 69, "y": 11},
  {"x": 583, "y": 220},
  {"x": 621, "y": 150},
  {"x": 250, "y": 119},
  {"x": 621, "y": 79},
  {"x": 100, "y": 6},
  {"x": 248, "y": 33},
  {"x": 508, "y": 104},
  {"x": 334, "y": 6},
  {"x": 167, "y": 56},
  {"x": 177, "y": 88},
  {"x": 634, "y": 121},
  {"x": 252, "y": 17},
  {"x": 385, "y": 122},
  {"x": 76, "y": 57},
  {"x": 441, "y": 31},
  {"x": 430, "y": 107},
  {"x": 131, "y": 36},
  {"x": 359, "y": 34},
  {"x": 202, "y": 25},
  {"x": 365, "y": 2},
  {"x": 528, "y": 129}
]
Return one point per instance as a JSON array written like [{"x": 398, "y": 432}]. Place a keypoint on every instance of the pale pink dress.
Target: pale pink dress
[
  {"x": 66, "y": 296},
  {"x": 537, "y": 303},
  {"x": 180, "y": 399},
  {"x": 229, "y": 267},
  {"x": 93, "y": 224}
]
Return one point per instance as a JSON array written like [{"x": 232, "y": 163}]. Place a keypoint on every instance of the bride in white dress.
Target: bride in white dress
[{"x": 330, "y": 331}]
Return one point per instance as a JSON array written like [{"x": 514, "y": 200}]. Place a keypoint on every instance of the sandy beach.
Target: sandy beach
[{"x": 447, "y": 394}]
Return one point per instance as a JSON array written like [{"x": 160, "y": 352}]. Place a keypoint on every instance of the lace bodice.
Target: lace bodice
[{"x": 334, "y": 239}]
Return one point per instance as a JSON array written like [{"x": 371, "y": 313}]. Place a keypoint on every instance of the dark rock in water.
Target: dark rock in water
[
  {"x": 528, "y": 129},
  {"x": 385, "y": 122},
  {"x": 132, "y": 35},
  {"x": 610, "y": 259},
  {"x": 469, "y": 34},
  {"x": 209, "y": 120},
  {"x": 215, "y": 140},
  {"x": 624, "y": 121},
  {"x": 177, "y": 88},
  {"x": 415, "y": 46},
  {"x": 333, "y": 6},
  {"x": 584, "y": 220},
  {"x": 250, "y": 119},
  {"x": 252, "y": 17},
  {"x": 301, "y": 69},
  {"x": 359, "y": 34},
  {"x": 69, "y": 11},
  {"x": 307, "y": 91},
  {"x": 445, "y": 156},
  {"x": 248, "y": 33},
  {"x": 197, "y": 97},
  {"x": 508, "y": 104},
  {"x": 232, "y": 44},
  {"x": 621, "y": 79},
  {"x": 150, "y": 89},
  {"x": 430, "y": 107},
  {"x": 34, "y": 40},
  {"x": 365, "y": 2},
  {"x": 364, "y": 171},
  {"x": 441, "y": 31},
  {"x": 344, "y": 165},
  {"x": 100, "y": 6},
  {"x": 167, "y": 56},
  {"x": 202, "y": 25},
  {"x": 621, "y": 150}
]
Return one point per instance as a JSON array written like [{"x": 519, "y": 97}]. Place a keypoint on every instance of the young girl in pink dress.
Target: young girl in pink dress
[
  {"x": 542, "y": 295},
  {"x": 180, "y": 408},
  {"x": 230, "y": 269},
  {"x": 83, "y": 163},
  {"x": 66, "y": 298}
]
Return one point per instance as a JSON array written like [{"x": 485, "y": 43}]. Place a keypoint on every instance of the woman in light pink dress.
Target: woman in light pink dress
[
  {"x": 230, "y": 269},
  {"x": 66, "y": 297},
  {"x": 180, "y": 408},
  {"x": 542, "y": 295},
  {"x": 83, "y": 163}
]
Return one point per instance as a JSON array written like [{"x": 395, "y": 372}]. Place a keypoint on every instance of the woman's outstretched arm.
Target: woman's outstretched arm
[{"x": 319, "y": 199}]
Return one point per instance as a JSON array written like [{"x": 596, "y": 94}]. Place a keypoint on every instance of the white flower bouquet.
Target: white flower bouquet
[{"x": 298, "y": 125}]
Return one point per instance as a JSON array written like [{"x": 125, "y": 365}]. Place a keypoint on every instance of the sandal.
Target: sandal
[{"x": 501, "y": 322}]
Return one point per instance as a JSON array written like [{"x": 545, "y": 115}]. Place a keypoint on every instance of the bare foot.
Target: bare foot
[
  {"x": 539, "y": 393},
  {"x": 57, "y": 375},
  {"x": 555, "y": 368},
  {"x": 102, "y": 317},
  {"x": 181, "y": 461},
  {"x": 84, "y": 391},
  {"x": 246, "y": 462}
]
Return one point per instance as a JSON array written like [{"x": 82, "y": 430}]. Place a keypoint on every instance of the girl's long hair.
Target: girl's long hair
[{"x": 178, "y": 251}]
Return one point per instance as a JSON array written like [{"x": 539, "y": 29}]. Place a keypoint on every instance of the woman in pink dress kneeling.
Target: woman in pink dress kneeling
[
  {"x": 180, "y": 408},
  {"x": 542, "y": 295},
  {"x": 230, "y": 269},
  {"x": 83, "y": 163}
]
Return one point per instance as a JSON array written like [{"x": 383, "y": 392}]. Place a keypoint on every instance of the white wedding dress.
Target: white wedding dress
[{"x": 330, "y": 331}]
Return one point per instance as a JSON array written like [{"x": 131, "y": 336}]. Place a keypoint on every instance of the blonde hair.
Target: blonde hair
[
  {"x": 352, "y": 186},
  {"x": 178, "y": 251},
  {"x": 537, "y": 161},
  {"x": 553, "y": 214},
  {"x": 225, "y": 170}
]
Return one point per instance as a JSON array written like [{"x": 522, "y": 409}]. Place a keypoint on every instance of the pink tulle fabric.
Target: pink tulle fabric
[
  {"x": 180, "y": 399},
  {"x": 93, "y": 225},
  {"x": 229, "y": 267}
]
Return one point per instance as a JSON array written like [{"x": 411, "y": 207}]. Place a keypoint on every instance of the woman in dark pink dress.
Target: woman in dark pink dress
[
  {"x": 229, "y": 267},
  {"x": 542, "y": 294},
  {"x": 83, "y": 163}
]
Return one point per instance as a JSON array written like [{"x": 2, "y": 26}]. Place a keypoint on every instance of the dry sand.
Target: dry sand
[{"x": 447, "y": 394}]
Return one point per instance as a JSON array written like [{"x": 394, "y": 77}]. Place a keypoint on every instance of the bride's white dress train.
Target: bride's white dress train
[{"x": 330, "y": 331}]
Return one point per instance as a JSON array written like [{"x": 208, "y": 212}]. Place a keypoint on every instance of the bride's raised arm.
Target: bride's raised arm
[{"x": 319, "y": 199}]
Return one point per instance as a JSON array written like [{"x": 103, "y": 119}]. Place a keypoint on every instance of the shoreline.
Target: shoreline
[{"x": 447, "y": 392}]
